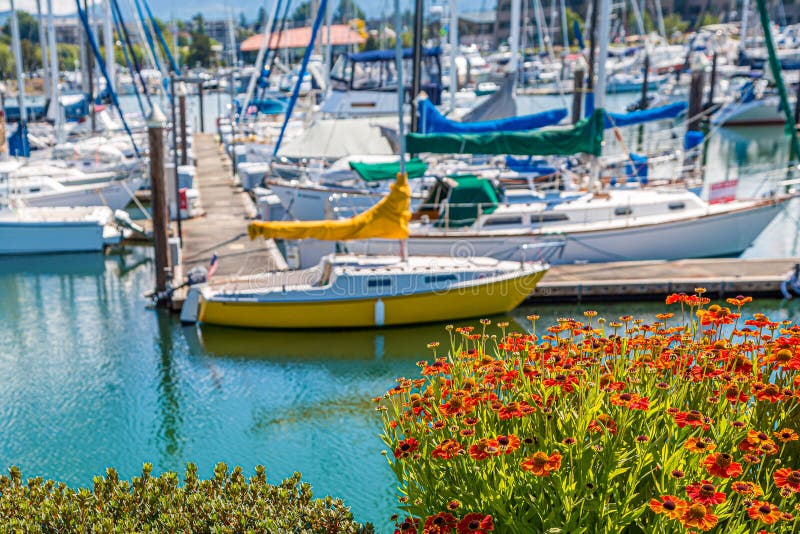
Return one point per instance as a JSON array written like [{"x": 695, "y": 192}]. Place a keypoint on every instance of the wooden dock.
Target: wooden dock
[
  {"x": 656, "y": 279},
  {"x": 223, "y": 228}
]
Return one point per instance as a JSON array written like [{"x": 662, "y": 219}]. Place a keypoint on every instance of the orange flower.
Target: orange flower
[
  {"x": 786, "y": 435},
  {"x": 721, "y": 465},
  {"x": 699, "y": 445},
  {"x": 692, "y": 418},
  {"x": 540, "y": 464},
  {"x": 698, "y": 516},
  {"x": 704, "y": 493},
  {"x": 406, "y": 448},
  {"x": 447, "y": 449},
  {"x": 507, "y": 444},
  {"x": 484, "y": 448},
  {"x": 475, "y": 524},
  {"x": 669, "y": 505},
  {"x": 766, "y": 392},
  {"x": 631, "y": 401},
  {"x": 410, "y": 525},
  {"x": 603, "y": 423},
  {"x": 764, "y": 512},
  {"x": 746, "y": 488},
  {"x": 787, "y": 478},
  {"x": 754, "y": 441},
  {"x": 441, "y": 523}
]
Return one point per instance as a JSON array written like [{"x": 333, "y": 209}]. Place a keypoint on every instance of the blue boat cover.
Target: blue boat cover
[
  {"x": 692, "y": 139},
  {"x": 670, "y": 111},
  {"x": 536, "y": 166},
  {"x": 431, "y": 121},
  {"x": 18, "y": 142},
  {"x": 388, "y": 55}
]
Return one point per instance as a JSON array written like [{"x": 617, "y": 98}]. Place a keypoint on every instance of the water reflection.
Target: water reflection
[{"x": 307, "y": 345}]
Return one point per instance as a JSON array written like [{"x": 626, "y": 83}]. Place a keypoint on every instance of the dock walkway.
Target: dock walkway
[
  {"x": 223, "y": 228},
  {"x": 656, "y": 279}
]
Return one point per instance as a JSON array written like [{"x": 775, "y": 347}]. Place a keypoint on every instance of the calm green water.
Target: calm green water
[{"x": 93, "y": 379}]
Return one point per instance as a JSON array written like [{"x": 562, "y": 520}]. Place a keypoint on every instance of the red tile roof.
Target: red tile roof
[{"x": 341, "y": 34}]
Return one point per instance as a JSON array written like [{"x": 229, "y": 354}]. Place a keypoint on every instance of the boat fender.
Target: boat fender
[
  {"x": 191, "y": 306},
  {"x": 379, "y": 312}
]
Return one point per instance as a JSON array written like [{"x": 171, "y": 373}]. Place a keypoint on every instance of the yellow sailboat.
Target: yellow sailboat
[{"x": 349, "y": 291}]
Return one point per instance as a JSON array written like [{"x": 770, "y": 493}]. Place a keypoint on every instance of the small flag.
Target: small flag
[{"x": 212, "y": 267}]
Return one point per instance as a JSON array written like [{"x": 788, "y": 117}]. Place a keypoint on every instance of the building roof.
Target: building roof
[{"x": 341, "y": 34}]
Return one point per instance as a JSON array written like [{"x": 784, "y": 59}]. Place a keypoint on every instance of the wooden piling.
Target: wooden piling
[
  {"x": 643, "y": 100},
  {"x": 696, "y": 99},
  {"x": 713, "y": 82},
  {"x": 182, "y": 113},
  {"x": 577, "y": 95},
  {"x": 202, "y": 114},
  {"x": 158, "y": 187}
]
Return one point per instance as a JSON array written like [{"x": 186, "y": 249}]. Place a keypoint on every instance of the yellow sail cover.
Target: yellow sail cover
[{"x": 388, "y": 219}]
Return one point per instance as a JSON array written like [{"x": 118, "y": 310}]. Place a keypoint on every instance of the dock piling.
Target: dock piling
[
  {"x": 577, "y": 95},
  {"x": 181, "y": 91},
  {"x": 158, "y": 187},
  {"x": 696, "y": 99},
  {"x": 712, "y": 82},
  {"x": 202, "y": 110},
  {"x": 643, "y": 101}
]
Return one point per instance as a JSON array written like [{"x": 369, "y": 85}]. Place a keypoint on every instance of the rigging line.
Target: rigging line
[
  {"x": 104, "y": 70},
  {"x": 126, "y": 55},
  {"x": 303, "y": 66},
  {"x": 161, "y": 40},
  {"x": 145, "y": 27},
  {"x": 129, "y": 43}
]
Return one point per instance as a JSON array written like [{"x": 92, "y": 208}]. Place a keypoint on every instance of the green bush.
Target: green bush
[{"x": 227, "y": 502}]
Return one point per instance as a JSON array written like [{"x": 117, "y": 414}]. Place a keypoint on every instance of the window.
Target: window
[
  {"x": 676, "y": 205},
  {"x": 441, "y": 278},
  {"x": 548, "y": 217},
  {"x": 623, "y": 211},
  {"x": 379, "y": 282},
  {"x": 497, "y": 221}
]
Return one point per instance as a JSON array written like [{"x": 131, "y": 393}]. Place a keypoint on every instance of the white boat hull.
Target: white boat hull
[
  {"x": 116, "y": 195},
  {"x": 717, "y": 235},
  {"x": 754, "y": 113}
]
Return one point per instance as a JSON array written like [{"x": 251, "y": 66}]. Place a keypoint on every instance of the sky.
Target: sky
[{"x": 184, "y": 9}]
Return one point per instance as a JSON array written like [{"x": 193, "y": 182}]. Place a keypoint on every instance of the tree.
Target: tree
[
  {"x": 303, "y": 13},
  {"x": 261, "y": 19},
  {"x": 199, "y": 24},
  {"x": 200, "y": 50},
  {"x": 348, "y": 9},
  {"x": 572, "y": 18},
  {"x": 6, "y": 61},
  {"x": 673, "y": 23},
  {"x": 67, "y": 56},
  {"x": 28, "y": 27},
  {"x": 242, "y": 20}
]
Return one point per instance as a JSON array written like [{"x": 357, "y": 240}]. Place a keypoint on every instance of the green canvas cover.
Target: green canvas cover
[
  {"x": 464, "y": 200},
  {"x": 586, "y": 136},
  {"x": 373, "y": 172}
]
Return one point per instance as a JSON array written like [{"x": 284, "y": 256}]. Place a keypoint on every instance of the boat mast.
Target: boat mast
[
  {"x": 108, "y": 44},
  {"x": 513, "y": 38},
  {"x": 251, "y": 85},
  {"x": 416, "y": 63},
  {"x": 55, "y": 100},
  {"x": 743, "y": 29},
  {"x": 43, "y": 46},
  {"x": 15, "y": 45},
  {"x": 453, "y": 34},
  {"x": 398, "y": 55},
  {"x": 603, "y": 31}
]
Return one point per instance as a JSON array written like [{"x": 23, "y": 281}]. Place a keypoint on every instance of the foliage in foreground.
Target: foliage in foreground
[
  {"x": 228, "y": 502},
  {"x": 599, "y": 426}
]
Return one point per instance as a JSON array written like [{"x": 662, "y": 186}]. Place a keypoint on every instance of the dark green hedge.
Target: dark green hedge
[{"x": 226, "y": 503}]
